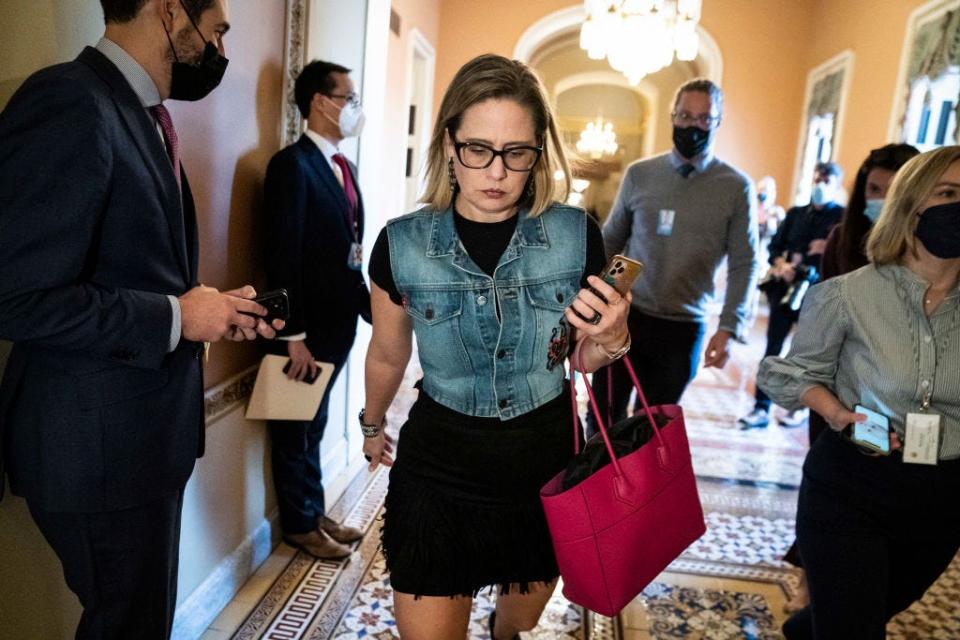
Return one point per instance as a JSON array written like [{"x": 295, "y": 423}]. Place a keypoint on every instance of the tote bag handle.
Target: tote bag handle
[{"x": 576, "y": 365}]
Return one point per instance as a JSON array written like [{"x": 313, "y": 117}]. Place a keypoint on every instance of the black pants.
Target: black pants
[
  {"x": 781, "y": 322},
  {"x": 665, "y": 354},
  {"x": 297, "y": 474},
  {"x": 121, "y": 564},
  {"x": 874, "y": 534}
]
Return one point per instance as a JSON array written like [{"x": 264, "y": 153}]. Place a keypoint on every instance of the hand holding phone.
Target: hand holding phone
[
  {"x": 874, "y": 434},
  {"x": 620, "y": 273},
  {"x": 277, "y": 304}
]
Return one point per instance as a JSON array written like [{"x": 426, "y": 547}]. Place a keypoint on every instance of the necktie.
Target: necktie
[
  {"x": 685, "y": 170},
  {"x": 169, "y": 136},
  {"x": 349, "y": 189}
]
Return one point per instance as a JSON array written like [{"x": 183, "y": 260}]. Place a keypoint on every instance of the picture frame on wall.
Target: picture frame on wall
[
  {"x": 824, "y": 108},
  {"x": 927, "y": 99}
]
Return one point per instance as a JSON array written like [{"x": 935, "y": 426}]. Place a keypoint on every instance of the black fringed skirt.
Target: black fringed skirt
[{"x": 463, "y": 509}]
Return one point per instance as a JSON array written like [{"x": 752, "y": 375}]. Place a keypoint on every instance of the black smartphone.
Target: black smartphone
[
  {"x": 309, "y": 379},
  {"x": 277, "y": 304}
]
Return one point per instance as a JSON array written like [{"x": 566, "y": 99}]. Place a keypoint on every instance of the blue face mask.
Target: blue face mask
[
  {"x": 873, "y": 209},
  {"x": 819, "y": 195}
]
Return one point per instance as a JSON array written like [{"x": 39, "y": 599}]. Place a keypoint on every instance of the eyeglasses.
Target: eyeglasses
[
  {"x": 350, "y": 98},
  {"x": 474, "y": 155},
  {"x": 685, "y": 119}
]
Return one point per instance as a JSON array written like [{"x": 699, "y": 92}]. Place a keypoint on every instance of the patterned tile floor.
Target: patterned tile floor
[{"x": 732, "y": 583}]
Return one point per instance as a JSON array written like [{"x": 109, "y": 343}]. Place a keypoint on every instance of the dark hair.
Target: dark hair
[
  {"x": 828, "y": 169},
  {"x": 854, "y": 227},
  {"x": 315, "y": 78},
  {"x": 701, "y": 85},
  {"x": 120, "y": 11}
]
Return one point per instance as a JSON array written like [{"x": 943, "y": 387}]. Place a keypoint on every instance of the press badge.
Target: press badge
[
  {"x": 355, "y": 259},
  {"x": 922, "y": 438},
  {"x": 665, "y": 222}
]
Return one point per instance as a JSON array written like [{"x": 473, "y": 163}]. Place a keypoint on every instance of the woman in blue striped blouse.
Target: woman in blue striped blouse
[{"x": 875, "y": 531}]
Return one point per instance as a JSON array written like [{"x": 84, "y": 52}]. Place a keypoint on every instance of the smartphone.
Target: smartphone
[
  {"x": 620, "y": 273},
  {"x": 309, "y": 379},
  {"x": 874, "y": 434},
  {"x": 277, "y": 304}
]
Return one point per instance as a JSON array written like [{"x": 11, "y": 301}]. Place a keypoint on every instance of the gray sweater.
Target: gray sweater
[{"x": 713, "y": 217}]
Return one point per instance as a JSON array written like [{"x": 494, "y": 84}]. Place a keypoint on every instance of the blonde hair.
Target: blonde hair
[
  {"x": 893, "y": 234},
  {"x": 492, "y": 77}
]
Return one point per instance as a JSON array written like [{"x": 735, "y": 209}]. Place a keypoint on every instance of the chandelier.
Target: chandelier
[
  {"x": 598, "y": 139},
  {"x": 639, "y": 37}
]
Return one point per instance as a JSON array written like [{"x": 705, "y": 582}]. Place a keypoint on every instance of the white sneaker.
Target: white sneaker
[
  {"x": 756, "y": 419},
  {"x": 794, "y": 418}
]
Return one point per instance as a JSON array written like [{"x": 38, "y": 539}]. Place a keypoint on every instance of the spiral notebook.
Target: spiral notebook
[{"x": 276, "y": 397}]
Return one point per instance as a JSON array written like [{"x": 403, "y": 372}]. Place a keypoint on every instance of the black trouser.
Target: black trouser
[
  {"x": 297, "y": 474},
  {"x": 665, "y": 354},
  {"x": 121, "y": 564},
  {"x": 874, "y": 533},
  {"x": 781, "y": 321}
]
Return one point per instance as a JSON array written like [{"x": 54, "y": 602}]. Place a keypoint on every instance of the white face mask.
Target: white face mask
[
  {"x": 821, "y": 194},
  {"x": 351, "y": 119}
]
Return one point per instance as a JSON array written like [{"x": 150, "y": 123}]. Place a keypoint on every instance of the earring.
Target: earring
[
  {"x": 528, "y": 191},
  {"x": 451, "y": 175}
]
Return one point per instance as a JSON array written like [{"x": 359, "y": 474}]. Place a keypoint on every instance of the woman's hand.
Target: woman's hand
[
  {"x": 606, "y": 318},
  {"x": 378, "y": 450},
  {"x": 839, "y": 417}
]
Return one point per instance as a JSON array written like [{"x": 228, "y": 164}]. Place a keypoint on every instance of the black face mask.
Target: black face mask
[
  {"x": 195, "y": 81},
  {"x": 691, "y": 141},
  {"x": 939, "y": 230}
]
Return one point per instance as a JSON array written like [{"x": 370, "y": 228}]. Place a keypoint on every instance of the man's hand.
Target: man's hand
[
  {"x": 301, "y": 361},
  {"x": 207, "y": 315},
  {"x": 718, "y": 349}
]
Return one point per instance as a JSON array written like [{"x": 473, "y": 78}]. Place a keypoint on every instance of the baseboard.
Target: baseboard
[{"x": 203, "y": 606}]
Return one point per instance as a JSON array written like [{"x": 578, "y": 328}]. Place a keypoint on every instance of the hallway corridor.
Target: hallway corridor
[{"x": 730, "y": 584}]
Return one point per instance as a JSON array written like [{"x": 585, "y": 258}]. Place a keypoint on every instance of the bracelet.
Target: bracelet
[
  {"x": 370, "y": 430},
  {"x": 619, "y": 353}
]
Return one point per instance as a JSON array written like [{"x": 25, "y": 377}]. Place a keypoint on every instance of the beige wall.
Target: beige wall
[
  {"x": 874, "y": 30},
  {"x": 764, "y": 50}
]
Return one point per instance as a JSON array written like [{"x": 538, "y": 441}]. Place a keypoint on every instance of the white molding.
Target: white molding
[
  {"x": 646, "y": 90},
  {"x": 565, "y": 21},
  {"x": 843, "y": 61},
  {"x": 202, "y": 607},
  {"x": 419, "y": 46},
  {"x": 918, "y": 17}
]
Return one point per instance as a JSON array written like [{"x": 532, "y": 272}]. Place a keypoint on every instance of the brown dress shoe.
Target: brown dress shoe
[
  {"x": 318, "y": 544},
  {"x": 337, "y": 531}
]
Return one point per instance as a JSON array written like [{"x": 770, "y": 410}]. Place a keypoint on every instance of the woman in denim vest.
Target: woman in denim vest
[{"x": 491, "y": 277}]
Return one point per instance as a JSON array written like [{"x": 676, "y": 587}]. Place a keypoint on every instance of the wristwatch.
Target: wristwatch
[
  {"x": 370, "y": 430},
  {"x": 619, "y": 353}
]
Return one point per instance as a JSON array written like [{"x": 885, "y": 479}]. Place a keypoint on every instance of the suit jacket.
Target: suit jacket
[
  {"x": 307, "y": 243},
  {"x": 95, "y": 414}
]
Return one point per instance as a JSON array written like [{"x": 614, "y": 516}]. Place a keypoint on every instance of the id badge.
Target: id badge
[
  {"x": 665, "y": 222},
  {"x": 922, "y": 440},
  {"x": 355, "y": 259}
]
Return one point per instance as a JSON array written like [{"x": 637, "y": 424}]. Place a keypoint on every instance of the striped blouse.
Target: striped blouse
[{"x": 864, "y": 336}]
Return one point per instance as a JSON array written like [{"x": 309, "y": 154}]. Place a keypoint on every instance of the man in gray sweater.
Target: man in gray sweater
[{"x": 682, "y": 213}]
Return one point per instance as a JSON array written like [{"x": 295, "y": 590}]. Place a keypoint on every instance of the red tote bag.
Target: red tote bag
[{"x": 620, "y": 527}]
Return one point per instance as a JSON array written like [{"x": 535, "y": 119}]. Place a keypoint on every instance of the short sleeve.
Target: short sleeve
[
  {"x": 596, "y": 252},
  {"x": 380, "y": 271}
]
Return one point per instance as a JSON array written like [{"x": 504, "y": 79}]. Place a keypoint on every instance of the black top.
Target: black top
[
  {"x": 802, "y": 226},
  {"x": 485, "y": 242}
]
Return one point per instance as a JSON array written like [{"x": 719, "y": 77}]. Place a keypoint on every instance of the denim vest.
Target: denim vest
[{"x": 474, "y": 362}]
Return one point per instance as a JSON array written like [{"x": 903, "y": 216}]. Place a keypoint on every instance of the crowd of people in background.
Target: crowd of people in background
[{"x": 496, "y": 278}]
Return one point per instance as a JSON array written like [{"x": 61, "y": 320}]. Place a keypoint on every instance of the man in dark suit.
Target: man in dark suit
[
  {"x": 314, "y": 226},
  {"x": 101, "y": 404}
]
